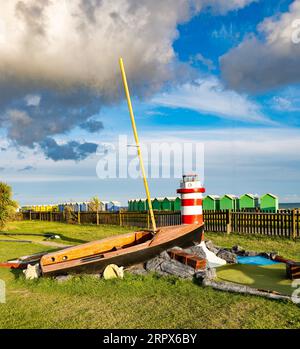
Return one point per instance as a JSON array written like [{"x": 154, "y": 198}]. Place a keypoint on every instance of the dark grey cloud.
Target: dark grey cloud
[
  {"x": 92, "y": 126},
  {"x": 69, "y": 151},
  {"x": 268, "y": 62}
]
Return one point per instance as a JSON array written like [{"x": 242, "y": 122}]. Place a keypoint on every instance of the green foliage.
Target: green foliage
[
  {"x": 7, "y": 204},
  {"x": 95, "y": 204}
]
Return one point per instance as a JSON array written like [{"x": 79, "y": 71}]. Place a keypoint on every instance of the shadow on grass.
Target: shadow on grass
[{"x": 46, "y": 235}]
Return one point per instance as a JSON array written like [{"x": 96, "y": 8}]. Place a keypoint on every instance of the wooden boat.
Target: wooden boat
[
  {"x": 127, "y": 249},
  {"x": 123, "y": 250}
]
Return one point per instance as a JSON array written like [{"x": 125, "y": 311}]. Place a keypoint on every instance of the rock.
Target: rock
[
  {"x": 154, "y": 263},
  {"x": 269, "y": 255},
  {"x": 112, "y": 271},
  {"x": 165, "y": 255},
  {"x": 63, "y": 278},
  {"x": 228, "y": 256},
  {"x": 173, "y": 267},
  {"x": 197, "y": 250},
  {"x": 210, "y": 246},
  {"x": 32, "y": 271},
  {"x": 209, "y": 274},
  {"x": 273, "y": 255},
  {"x": 251, "y": 253},
  {"x": 137, "y": 269},
  {"x": 238, "y": 250}
]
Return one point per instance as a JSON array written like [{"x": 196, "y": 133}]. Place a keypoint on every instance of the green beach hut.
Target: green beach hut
[
  {"x": 130, "y": 205},
  {"x": 211, "y": 203},
  {"x": 229, "y": 202},
  {"x": 177, "y": 204},
  {"x": 135, "y": 204},
  {"x": 141, "y": 205},
  {"x": 269, "y": 202},
  {"x": 249, "y": 201},
  {"x": 156, "y": 204},
  {"x": 168, "y": 204}
]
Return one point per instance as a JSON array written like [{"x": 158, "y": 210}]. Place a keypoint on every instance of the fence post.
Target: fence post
[
  {"x": 120, "y": 218},
  {"x": 97, "y": 217},
  {"x": 50, "y": 216},
  {"x": 30, "y": 215},
  {"x": 228, "y": 222},
  {"x": 294, "y": 225},
  {"x": 78, "y": 217}
]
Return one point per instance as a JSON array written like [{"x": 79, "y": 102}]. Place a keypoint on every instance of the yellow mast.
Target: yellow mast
[{"x": 137, "y": 143}]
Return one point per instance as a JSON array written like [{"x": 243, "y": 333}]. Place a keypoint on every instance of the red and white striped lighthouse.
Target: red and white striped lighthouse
[{"x": 191, "y": 191}]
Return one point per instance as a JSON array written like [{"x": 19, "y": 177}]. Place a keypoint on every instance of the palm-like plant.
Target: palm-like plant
[
  {"x": 7, "y": 204},
  {"x": 95, "y": 205}
]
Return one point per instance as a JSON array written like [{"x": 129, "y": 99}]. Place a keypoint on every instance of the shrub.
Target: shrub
[{"x": 7, "y": 205}]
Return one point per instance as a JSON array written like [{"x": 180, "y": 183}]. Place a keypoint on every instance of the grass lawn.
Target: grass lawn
[{"x": 137, "y": 301}]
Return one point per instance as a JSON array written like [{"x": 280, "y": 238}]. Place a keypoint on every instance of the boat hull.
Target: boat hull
[{"x": 182, "y": 236}]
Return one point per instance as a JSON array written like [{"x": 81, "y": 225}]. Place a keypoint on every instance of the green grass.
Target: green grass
[{"x": 137, "y": 301}]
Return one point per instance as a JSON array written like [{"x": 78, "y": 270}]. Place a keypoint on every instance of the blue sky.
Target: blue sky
[{"x": 221, "y": 73}]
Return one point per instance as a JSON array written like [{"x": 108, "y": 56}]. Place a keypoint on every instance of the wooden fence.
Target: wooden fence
[{"x": 282, "y": 224}]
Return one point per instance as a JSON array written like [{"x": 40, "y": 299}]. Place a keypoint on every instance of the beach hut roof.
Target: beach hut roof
[
  {"x": 171, "y": 198},
  {"x": 269, "y": 194},
  {"x": 214, "y": 197},
  {"x": 231, "y": 196}
]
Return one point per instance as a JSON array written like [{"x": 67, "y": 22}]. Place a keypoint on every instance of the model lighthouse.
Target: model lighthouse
[{"x": 191, "y": 191}]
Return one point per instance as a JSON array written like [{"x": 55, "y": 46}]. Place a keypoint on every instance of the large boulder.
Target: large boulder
[{"x": 228, "y": 256}]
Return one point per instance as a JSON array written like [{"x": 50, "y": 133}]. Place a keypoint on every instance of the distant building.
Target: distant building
[
  {"x": 269, "y": 202},
  {"x": 249, "y": 201},
  {"x": 211, "y": 203},
  {"x": 229, "y": 202}
]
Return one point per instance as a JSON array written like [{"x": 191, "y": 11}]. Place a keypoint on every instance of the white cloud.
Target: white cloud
[
  {"x": 209, "y": 96},
  {"x": 262, "y": 64},
  {"x": 224, "y": 6},
  {"x": 33, "y": 100}
]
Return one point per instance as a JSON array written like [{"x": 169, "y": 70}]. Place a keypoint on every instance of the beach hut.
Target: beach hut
[
  {"x": 229, "y": 202},
  {"x": 141, "y": 205},
  {"x": 129, "y": 205},
  {"x": 177, "y": 204},
  {"x": 211, "y": 203},
  {"x": 269, "y": 202},
  {"x": 249, "y": 201},
  {"x": 84, "y": 206},
  {"x": 103, "y": 205},
  {"x": 113, "y": 206},
  {"x": 135, "y": 205},
  {"x": 156, "y": 204},
  {"x": 168, "y": 204}
]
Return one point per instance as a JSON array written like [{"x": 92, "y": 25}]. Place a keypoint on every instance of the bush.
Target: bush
[{"x": 7, "y": 204}]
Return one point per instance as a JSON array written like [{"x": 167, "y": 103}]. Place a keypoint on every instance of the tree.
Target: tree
[
  {"x": 95, "y": 205},
  {"x": 7, "y": 205}
]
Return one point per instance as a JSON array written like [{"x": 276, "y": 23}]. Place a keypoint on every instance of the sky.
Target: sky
[{"x": 221, "y": 73}]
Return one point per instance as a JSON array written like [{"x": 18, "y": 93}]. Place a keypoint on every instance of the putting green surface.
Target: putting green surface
[{"x": 268, "y": 278}]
